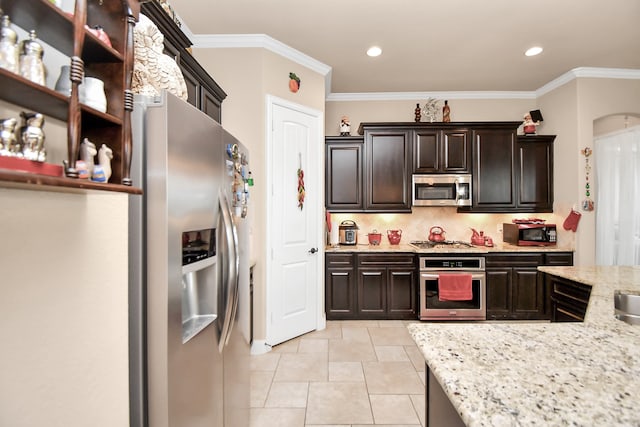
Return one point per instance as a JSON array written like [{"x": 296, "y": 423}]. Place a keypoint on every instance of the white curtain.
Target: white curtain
[{"x": 617, "y": 171}]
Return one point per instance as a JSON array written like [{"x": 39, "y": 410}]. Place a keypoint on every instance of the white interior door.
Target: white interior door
[{"x": 294, "y": 282}]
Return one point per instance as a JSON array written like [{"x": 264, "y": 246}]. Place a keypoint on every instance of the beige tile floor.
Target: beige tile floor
[{"x": 351, "y": 374}]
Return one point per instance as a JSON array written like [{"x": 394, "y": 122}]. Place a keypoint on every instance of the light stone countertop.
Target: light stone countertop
[
  {"x": 405, "y": 247},
  {"x": 543, "y": 374}
]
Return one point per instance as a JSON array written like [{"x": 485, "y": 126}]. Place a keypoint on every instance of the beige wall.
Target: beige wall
[
  {"x": 570, "y": 112},
  {"x": 63, "y": 301},
  {"x": 248, "y": 76}
]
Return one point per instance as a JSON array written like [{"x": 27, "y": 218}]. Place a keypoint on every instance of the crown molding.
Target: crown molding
[
  {"x": 261, "y": 41},
  {"x": 275, "y": 46},
  {"x": 588, "y": 72}
]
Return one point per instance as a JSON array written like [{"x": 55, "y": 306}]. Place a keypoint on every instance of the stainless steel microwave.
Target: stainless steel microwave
[{"x": 441, "y": 190}]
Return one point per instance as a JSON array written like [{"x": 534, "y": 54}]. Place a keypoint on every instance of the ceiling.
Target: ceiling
[{"x": 433, "y": 46}]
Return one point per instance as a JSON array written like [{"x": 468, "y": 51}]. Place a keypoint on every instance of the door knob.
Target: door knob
[{"x": 313, "y": 250}]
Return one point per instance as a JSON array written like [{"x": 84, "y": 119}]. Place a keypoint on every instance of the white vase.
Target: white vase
[{"x": 92, "y": 94}]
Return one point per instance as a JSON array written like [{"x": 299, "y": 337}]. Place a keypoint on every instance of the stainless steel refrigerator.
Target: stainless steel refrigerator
[{"x": 188, "y": 270}]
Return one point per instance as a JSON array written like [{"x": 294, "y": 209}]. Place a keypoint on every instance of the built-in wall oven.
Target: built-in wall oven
[{"x": 433, "y": 306}]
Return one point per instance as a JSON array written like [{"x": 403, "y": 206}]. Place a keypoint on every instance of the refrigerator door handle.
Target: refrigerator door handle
[{"x": 233, "y": 265}]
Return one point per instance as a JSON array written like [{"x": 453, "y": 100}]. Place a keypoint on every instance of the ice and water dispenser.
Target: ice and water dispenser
[{"x": 199, "y": 277}]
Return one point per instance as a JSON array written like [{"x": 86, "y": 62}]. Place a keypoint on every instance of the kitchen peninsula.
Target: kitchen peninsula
[{"x": 532, "y": 374}]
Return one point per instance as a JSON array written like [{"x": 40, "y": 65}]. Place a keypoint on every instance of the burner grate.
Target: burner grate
[{"x": 427, "y": 244}]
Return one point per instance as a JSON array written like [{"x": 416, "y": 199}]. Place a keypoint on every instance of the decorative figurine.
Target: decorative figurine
[
  {"x": 430, "y": 109},
  {"x": 529, "y": 126},
  {"x": 446, "y": 112},
  {"x": 8, "y": 46},
  {"x": 105, "y": 155},
  {"x": 81, "y": 167},
  {"x": 345, "y": 126},
  {"x": 87, "y": 154},
  {"x": 32, "y": 136},
  {"x": 531, "y": 120},
  {"x": 8, "y": 136},
  {"x": 98, "y": 174},
  {"x": 417, "y": 113},
  {"x": 153, "y": 70}
]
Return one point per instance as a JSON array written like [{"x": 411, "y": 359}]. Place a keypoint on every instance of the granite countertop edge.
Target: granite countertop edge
[{"x": 540, "y": 373}]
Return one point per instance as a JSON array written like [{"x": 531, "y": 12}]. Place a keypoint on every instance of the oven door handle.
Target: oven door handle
[{"x": 435, "y": 275}]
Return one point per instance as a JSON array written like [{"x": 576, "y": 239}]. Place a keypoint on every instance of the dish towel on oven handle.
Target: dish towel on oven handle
[{"x": 455, "y": 287}]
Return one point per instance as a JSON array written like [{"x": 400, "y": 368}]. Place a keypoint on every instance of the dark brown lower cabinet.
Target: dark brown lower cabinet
[
  {"x": 569, "y": 299},
  {"x": 370, "y": 286},
  {"x": 340, "y": 286},
  {"x": 516, "y": 290}
]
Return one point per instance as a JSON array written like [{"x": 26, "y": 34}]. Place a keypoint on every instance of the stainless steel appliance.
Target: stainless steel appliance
[
  {"x": 441, "y": 190},
  {"x": 348, "y": 232},
  {"x": 529, "y": 234},
  {"x": 432, "y": 307},
  {"x": 189, "y": 270}
]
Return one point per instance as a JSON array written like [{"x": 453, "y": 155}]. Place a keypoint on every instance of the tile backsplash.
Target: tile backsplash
[{"x": 457, "y": 226}]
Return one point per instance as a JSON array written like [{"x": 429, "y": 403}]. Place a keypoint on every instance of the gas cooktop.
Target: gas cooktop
[{"x": 452, "y": 244}]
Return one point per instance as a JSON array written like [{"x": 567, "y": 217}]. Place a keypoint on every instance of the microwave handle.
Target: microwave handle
[{"x": 457, "y": 190}]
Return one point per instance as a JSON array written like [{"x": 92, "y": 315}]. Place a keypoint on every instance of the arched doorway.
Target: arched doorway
[{"x": 617, "y": 179}]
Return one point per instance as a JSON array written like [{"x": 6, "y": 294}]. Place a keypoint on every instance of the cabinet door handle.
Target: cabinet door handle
[{"x": 313, "y": 250}]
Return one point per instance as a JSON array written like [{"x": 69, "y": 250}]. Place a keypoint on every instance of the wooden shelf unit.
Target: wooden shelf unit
[{"x": 91, "y": 57}]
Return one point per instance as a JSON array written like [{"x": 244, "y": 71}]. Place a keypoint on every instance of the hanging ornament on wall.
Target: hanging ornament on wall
[
  {"x": 294, "y": 82},
  {"x": 587, "y": 203},
  {"x": 301, "y": 190}
]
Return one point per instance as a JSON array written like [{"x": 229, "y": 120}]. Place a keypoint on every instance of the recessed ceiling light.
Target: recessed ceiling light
[
  {"x": 374, "y": 51},
  {"x": 533, "y": 51}
]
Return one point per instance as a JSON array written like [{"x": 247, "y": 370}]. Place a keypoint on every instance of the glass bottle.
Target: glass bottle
[
  {"x": 446, "y": 112},
  {"x": 8, "y": 46},
  {"x": 31, "y": 65}
]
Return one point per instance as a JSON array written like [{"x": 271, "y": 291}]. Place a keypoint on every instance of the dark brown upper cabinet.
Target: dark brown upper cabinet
[
  {"x": 534, "y": 163},
  {"x": 344, "y": 191},
  {"x": 441, "y": 150},
  {"x": 370, "y": 173},
  {"x": 388, "y": 171}
]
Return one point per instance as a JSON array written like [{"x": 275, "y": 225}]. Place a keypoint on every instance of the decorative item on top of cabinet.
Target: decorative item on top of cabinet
[
  {"x": 532, "y": 119},
  {"x": 446, "y": 112},
  {"x": 417, "y": 113},
  {"x": 430, "y": 109},
  {"x": 154, "y": 71},
  {"x": 345, "y": 126},
  {"x": 203, "y": 92}
]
